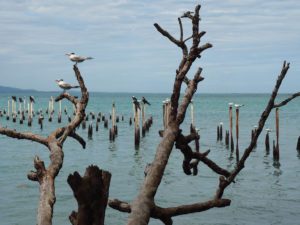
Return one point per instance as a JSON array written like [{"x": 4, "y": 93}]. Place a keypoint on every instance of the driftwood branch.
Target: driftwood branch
[
  {"x": 286, "y": 101},
  {"x": 166, "y": 214},
  {"x": 240, "y": 165},
  {"x": 22, "y": 135},
  {"x": 54, "y": 142}
]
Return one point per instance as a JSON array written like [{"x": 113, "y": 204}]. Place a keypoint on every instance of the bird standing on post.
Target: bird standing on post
[
  {"x": 136, "y": 103},
  {"x": 144, "y": 100},
  {"x": 76, "y": 58},
  {"x": 65, "y": 86}
]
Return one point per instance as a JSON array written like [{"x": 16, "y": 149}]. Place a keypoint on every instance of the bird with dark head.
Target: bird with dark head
[
  {"x": 31, "y": 99},
  {"x": 76, "y": 58},
  {"x": 14, "y": 98},
  {"x": 65, "y": 86},
  {"x": 21, "y": 100},
  {"x": 136, "y": 102},
  {"x": 144, "y": 100}
]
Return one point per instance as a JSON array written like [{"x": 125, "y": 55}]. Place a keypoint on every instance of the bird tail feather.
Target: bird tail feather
[
  {"x": 89, "y": 57},
  {"x": 76, "y": 86}
]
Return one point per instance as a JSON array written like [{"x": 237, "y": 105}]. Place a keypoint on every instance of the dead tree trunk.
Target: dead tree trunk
[
  {"x": 91, "y": 193},
  {"x": 54, "y": 142},
  {"x": 144, "y": 207}
]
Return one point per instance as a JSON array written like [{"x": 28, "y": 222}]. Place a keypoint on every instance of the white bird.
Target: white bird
[
  {"x": 65, "y": 86},
  {"x": 230, "y": 103},
  {"x": 76, "y": 58},
  {"x": 238, "y": 106},
  {"x": 268, "y": 130}
]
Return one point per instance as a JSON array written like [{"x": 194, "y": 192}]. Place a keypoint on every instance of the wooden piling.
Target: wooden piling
[
  {"x": 59, "y": 117},
  {"x": 106, "y": 123},
  {"x": 237, "y": 134},
  {"x": 267, "y": 143},
  {"x": 221, "y": 131},
  {"x": 227, "y": 138},
  {"x": 90, "y": 131},
  {"x": 230, "y": 127},
  {"x": 192, "y": 113},
  {"x": 277, "y": 132},
  {"x": 275, "y": 152},
  {"x": 83, "y": 124},
  {"x": 136, "y": 126},
  {"x": 97, "y": 126},
  {"x": 298, "y": 144}
]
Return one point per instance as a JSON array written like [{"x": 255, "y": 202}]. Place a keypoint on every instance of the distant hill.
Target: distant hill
[{"x": 4, "y": 89}]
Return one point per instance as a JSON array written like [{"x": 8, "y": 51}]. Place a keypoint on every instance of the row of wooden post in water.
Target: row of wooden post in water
[
  {"x": 24, "y": 112},
  {"x": 229, "y": 142}
]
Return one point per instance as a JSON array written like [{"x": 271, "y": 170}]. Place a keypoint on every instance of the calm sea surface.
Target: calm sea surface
[{"x": 264, "y": 193}]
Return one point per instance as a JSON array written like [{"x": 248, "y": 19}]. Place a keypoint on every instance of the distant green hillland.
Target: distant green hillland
[{"x": 4, "y": 89}]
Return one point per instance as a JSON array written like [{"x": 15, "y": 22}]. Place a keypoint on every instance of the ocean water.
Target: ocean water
[{"x": 264, "y": 192}]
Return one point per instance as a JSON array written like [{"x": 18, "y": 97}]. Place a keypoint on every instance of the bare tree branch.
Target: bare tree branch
[
  {"x": 23, "y": 135},
  {"x": 284, "y": 102},
  {"x": 225, "y": 182}
]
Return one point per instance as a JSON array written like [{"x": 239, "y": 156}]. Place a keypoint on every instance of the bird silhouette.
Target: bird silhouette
[
  {"x": 136, "y": 102},
  {"x": 144, "y": 100}
]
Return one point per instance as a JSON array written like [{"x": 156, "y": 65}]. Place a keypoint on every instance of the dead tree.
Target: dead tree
[
  {"x": 143, "y": 206},
  {"x": 45, "y": 176}
]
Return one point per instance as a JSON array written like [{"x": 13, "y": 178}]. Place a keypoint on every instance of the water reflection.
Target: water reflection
[{"x": 276, "y": 165}]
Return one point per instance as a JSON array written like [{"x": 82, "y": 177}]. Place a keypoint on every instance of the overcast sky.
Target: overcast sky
[{"x": 251, "y": 39}]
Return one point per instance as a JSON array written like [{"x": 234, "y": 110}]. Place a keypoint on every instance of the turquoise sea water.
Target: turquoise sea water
[{"x": 264, "y": 193}]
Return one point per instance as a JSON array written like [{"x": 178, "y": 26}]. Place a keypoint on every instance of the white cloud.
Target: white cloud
[{"x": 121, "y": 33}]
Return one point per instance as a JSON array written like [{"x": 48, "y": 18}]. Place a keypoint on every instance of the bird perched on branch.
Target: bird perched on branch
[
  {"x": 136, "y": 102},
  {"x": 76, "y": 58},
  {"x": 145, "y": 101},
  {"x": 187, "y": 14},
  {"x": 65, "y": 86},
  {"x": 31, "y": 99}
]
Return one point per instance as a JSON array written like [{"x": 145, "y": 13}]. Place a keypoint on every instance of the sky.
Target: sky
[{"x": 250, "y": 38}]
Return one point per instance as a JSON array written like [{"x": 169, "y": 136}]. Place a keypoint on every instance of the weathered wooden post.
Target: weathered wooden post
[
  {"x": 8, "y": 108},
  {"x": 230, "y": 127},
  {"x": 221, "y": 131},
  {"x": 112, "y": 131},
  {"x": 143, "y": 119},
  {"x": 227, "y": 138},
  {"x": 267, "y": 141},
  {"x": 166, "y": 110},
  {"x": 136, "y": 107},
  {"x": 90, "y": 131},
  {"x": 192, "y": 113},
  {"x": 30, "y": 112},
  {"x": 276, "y": 152},
  {"x": 237, "y": 112},
  {"x": 59, "y": 113},
  {"x": 20, "y": 105},
  {"x": 298, "y": 144},
  {"x": 97, "y": 126},
  {"x": 24, "y": 104},
  {"x": 106, "y": 123}
]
